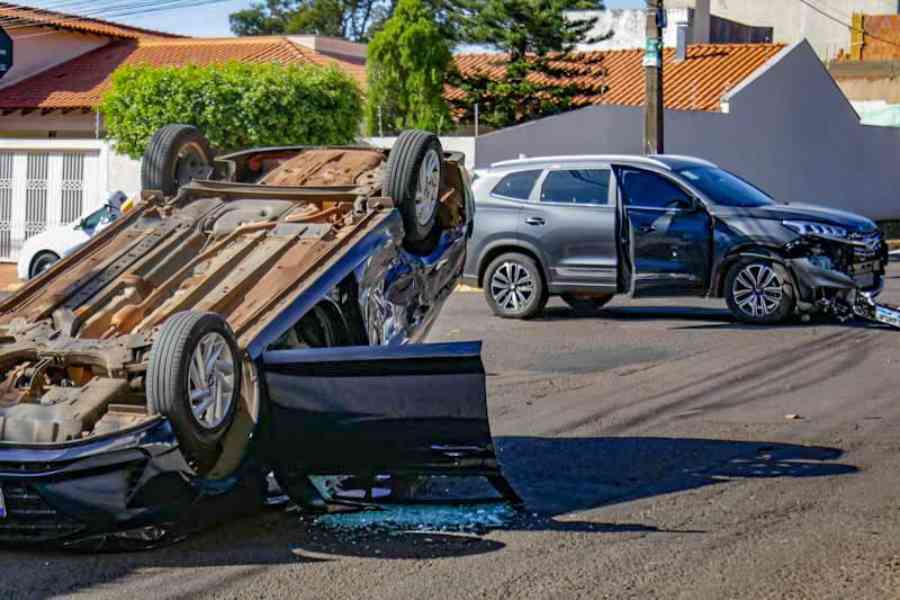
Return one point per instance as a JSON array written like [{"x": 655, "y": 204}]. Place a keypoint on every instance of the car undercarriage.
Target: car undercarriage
[{"x": 159, "y": 365}]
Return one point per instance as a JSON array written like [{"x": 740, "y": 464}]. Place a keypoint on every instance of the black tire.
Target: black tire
[
  {"x": 766, "y": 304},
  {"x": 41, "y": 262},
  {"x": 168, "y": 387},
  {"x": 586, "y": 306},
  {"x": 401, "y": 183},
  {"x": 175, "y": 155},
  {"x": 510, "y": 266}
]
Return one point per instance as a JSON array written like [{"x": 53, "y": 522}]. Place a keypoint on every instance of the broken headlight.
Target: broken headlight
[{"x": 813, "y": 228}]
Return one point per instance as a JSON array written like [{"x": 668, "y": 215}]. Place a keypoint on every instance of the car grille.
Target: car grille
[
  {"x": 872, "y": 249},
  {"x": 30, "y": 519}
]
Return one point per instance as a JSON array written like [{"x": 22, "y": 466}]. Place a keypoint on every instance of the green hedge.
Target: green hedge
[{"x": 236, "y": 105}]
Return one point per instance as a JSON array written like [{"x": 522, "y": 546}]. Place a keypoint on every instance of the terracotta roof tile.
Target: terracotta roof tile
[
  {"x": 13, "y": 16},
  {"x": 81, "y": 82},
  {"x": 617, "y": 76}
]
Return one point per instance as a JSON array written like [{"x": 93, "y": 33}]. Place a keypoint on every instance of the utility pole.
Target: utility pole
[{"x": 653, "y": 66}]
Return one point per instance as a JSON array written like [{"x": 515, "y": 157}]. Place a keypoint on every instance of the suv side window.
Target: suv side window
[
  {"x": 517, "y": 185},
  {"x": 649, "y": 190},
  {"x": 576, "y": 186}
]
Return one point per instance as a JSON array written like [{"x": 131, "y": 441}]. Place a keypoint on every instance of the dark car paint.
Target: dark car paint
[
  {"x": 80, "y": 492},
  {"x": 700, "y": 244},
  {"x": 430, "y": 415}
]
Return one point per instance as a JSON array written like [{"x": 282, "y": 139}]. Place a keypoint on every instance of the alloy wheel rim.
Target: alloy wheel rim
[
  {"x": 512, "y": 287},
  {"x": 757, "y": 290},
  {"x": 428, "y": 187},
  {"x": 211, "y": 380}
]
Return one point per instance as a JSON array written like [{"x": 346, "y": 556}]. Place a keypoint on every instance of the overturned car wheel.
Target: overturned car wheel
[
  {"x": 759, "y": 292},
  {"x": 194, "y": 379},
  {"x": 176, "y": 155},
  {"x": 413, "y": 177}
]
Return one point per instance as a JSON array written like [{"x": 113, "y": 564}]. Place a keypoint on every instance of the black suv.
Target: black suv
[{"x": 587, "y": 228}]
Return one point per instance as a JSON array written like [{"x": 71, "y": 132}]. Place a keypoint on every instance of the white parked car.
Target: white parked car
[{"x": 39, "y": 252}]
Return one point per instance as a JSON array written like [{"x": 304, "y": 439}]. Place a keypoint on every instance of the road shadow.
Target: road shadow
[
  {"x": 562, "y": 475},
  {"x": 554, "y": 476}
]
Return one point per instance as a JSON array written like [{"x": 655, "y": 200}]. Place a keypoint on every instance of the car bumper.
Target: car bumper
[{"x": 131, "y": 487}]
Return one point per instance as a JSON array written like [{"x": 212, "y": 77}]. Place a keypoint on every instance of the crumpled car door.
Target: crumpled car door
[{"x": 412, "y": 409}]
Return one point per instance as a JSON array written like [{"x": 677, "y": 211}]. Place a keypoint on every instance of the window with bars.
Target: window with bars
[
  {"x": 71, "y": 188},
  {"x": 37, "y": 171},
  {"x": 6, "y": 199}
]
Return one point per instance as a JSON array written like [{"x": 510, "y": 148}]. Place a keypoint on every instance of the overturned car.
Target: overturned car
[{"x": 252, "y": 315}]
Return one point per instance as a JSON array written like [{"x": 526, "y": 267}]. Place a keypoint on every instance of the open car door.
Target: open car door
[
  {"x": 418, "y": 409},
  {"x": 664, "y": 234}
]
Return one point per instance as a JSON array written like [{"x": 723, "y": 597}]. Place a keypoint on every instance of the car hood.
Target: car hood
[{"x": 802, "y": 212}]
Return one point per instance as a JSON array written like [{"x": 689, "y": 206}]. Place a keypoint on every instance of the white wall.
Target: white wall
[
  {"x": 793, "y": 20},
  {"x": 629, "y": 28},
  {"x": 123, "y": 173},
  {"x": 790, "y": 130},
  {"x": 36, "y": 49}
]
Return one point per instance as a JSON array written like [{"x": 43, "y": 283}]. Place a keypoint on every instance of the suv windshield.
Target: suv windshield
[{"x": 724, "y": 188}]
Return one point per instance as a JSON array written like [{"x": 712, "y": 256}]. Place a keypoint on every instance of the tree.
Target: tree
[
  {"x": 350, "y": 19},
  {"x": 235, "y": 105},
  {"x": 537, "y": 38},
  {"x": 407, "y": 63},
  {"x": 354, "y": 20}
]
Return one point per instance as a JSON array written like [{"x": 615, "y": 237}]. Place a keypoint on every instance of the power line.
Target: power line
[
  {"x": 106, "y": 10},
  {"x": 849, "y": 26}
]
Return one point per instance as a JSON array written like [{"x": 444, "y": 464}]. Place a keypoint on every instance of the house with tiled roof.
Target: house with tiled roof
[
  {"x": 54, "y": 164},
  {"x": 696, "y": 81},
  {"x": 64, "y": 63}
]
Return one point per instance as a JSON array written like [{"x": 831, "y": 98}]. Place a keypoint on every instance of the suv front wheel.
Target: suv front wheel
[
  {"x": 514, "y": 288},
  {"x": 759, "y": 291}
]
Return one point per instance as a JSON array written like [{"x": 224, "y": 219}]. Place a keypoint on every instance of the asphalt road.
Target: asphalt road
[{"x": 663, "y": 451}]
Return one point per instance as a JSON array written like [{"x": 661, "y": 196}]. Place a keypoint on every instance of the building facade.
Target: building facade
[{"x": 55, "y": 165}]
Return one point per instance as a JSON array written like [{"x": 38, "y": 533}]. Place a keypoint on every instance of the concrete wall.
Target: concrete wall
[
  {"x": 789, "y": 130},
  {"x": 794, "y": 21},
  {"x": 885, "y": 89},
  {"x": 36, "y": 49},
  {"x": 123, "y": 173}
]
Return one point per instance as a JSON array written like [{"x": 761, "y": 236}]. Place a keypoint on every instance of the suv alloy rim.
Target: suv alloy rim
[
  {"x": 512, "y": 287},
  {"x": 757, "y": 290}
]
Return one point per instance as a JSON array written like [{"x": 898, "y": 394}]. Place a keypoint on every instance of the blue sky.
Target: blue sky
[{"x": 212, "y": 19}]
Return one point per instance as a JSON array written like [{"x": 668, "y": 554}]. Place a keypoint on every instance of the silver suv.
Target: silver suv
[{"x": 589, "y": 227}]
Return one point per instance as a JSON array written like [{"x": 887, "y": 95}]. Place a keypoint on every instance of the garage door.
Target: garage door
[{"x": 39, "y": 190}]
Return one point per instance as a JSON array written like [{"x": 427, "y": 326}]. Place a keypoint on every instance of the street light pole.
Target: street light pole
[{"x": 653, "y": 66}]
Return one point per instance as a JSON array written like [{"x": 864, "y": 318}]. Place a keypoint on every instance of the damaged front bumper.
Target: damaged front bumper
[
  {"x": 842, "y": 276},
  {"x": 130, "y": 489}
]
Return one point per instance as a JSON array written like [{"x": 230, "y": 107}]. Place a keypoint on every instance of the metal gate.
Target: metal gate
[{"x": 42, "y": 189}]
